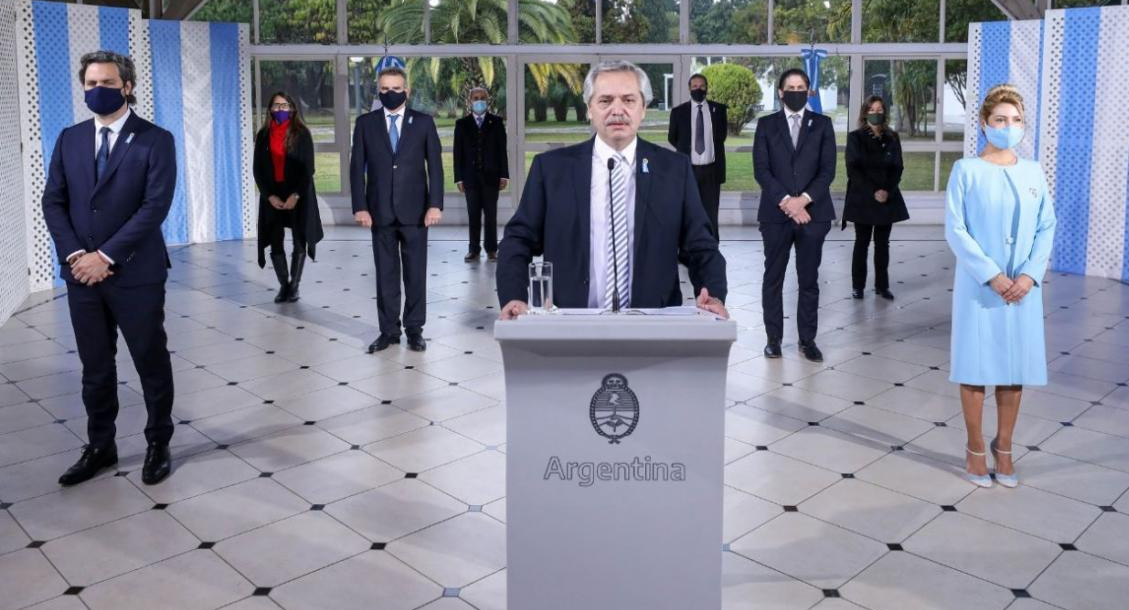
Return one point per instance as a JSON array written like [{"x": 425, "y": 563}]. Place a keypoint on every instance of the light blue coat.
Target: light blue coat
[{"x": 998, "y": 220}]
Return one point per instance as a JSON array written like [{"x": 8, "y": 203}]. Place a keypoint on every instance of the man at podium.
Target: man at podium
[{"x": 611, "y": 214}]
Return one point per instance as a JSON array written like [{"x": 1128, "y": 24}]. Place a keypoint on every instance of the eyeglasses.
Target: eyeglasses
[{"x": 280, "y": 107}]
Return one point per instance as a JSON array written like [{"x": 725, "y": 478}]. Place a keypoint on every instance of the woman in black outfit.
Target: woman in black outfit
[
  {"x": 874, "y": 201},
  {"x": 284, "y": 172}
]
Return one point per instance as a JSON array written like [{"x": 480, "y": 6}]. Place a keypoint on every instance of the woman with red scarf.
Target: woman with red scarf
[{"x": 284, "y": 172}]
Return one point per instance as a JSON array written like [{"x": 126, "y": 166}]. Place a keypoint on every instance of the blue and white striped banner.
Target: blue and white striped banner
[
  {"x": 1072, "y": 64},
  {"x": 193, "y": 80}
]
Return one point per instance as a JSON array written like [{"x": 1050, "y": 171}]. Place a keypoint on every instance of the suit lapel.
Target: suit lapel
[
  {"x": 382, "y": 131},
  {"x": 124, "y": 141},
  {"x": 643, "y": 184},
  {"x": 85, "y": 148},
  {"x": 805, "y": 127},
  {"x": 582, "y": 197}
]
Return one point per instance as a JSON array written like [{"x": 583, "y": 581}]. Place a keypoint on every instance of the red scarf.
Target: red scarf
[{"x": 278, "y": 148}]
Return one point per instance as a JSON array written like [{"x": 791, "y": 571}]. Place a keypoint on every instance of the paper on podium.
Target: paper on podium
[{"x": 683, "y": 310}]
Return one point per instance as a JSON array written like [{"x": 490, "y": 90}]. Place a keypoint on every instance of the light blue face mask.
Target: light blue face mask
[
  {"x": 478, "y": 106},
  {"x": 1004, "y": 137}
]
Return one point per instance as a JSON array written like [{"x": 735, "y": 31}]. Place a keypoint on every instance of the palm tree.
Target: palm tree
[{"x": 460, "y": 21}]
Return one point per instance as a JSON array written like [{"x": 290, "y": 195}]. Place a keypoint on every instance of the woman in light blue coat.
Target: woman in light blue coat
[{"x": 999, "y": 222}]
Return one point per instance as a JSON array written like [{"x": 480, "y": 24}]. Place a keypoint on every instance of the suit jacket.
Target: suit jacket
[
  {"x": 554, "y": 219},
  {"x": 874, "y": 164},
  {"x": 490, "y": 142},
  {"x": 400, "y": 187},
  {"x": 298, "y": 172},
  {"x": 679, "y": 133},
  {"x": 121, "y": 212},
  {"x": 782, "y": 169}
]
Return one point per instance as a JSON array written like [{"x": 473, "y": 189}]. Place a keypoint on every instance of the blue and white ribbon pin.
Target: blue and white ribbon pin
[{"x": 646, "y": 168}]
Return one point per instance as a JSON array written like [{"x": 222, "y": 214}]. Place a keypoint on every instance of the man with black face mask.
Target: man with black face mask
[
  {"x": 697, "y": 130},
  {"x": 396, "y": 176},
  {"x": 794, "y": 163},
  {"x": 109, "y": 187}
]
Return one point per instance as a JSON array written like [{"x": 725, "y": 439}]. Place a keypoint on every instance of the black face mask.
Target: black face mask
[
  {"x": 392, "y": 100},
  {"x": 795, "y": 100},
  {"x": 698, "y": 95}
]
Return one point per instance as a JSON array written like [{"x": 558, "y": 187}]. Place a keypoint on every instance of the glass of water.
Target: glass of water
[{"x": 540, "y": 287}]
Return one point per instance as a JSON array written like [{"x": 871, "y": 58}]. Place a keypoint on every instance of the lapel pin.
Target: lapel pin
[
  {"x": 809, "y": 123},
  {"x": 129, "y": 138},
  {"x": 646, "y": 169},
  {"x": 410, "y": 120}
]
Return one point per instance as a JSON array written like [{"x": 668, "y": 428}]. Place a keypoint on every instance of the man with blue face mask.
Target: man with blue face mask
[
  {"x": 109, "y": 187},
  {"x": 482, "y": 168}
]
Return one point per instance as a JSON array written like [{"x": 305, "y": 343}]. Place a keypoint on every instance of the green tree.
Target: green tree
[
  {"x": 729, "y": 21},
  {"x": 736, "y": 87}
]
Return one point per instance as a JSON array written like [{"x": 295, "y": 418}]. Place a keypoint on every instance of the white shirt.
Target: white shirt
[
  {"x": 788, "y": 114},
  {"x": 399, "y": 122},
  {"x": 706, "y": 157},
  {"x": 115, "y": 130},
  {"x": 599, "y": 228}
]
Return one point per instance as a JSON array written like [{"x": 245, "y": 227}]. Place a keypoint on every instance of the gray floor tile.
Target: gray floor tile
[
  {"x": 80, "y": 507},
  {"x": 1031, "y": 510},
  {"x": 198, "y": 580},
  {"x": 1108, "y": 537},
  {"x": 870, "y": 510},
  {"x": 1079, "y": 580},
  {"x": 29, "y": 578},
  {"x": 902, "y": 580},
  {"x": 778, "y": 478},
  {"x": 456, "y": 552},
  {"x": 223, "y": 513},
  {"x": 337, "y": 476},
  {"x": 373, "y": 580},
  {"x": 389, "y": 512}
]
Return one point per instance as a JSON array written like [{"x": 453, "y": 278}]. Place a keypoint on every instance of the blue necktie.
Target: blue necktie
[
  {"x": 103, "y": 156},
  {"x": 393, "y": 133}
]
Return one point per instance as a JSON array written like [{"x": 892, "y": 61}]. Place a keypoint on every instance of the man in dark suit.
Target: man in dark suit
[
  {"x": 611, "y": 214},
  {"x": 794, "y": 163},
  {"x": 109, "y": 188},
  {"x": 396, "y": 175},
  {"x": 482, "y": 168},
  {"x": 697, "y": 130}
]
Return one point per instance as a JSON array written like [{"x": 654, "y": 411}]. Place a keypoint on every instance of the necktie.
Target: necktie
[
  {"x": 393, "y": 132},
  {"x": 103, "y": 156},
  {"x": 700, "y": 136},
  {"x": 618, "y": 266},
  {"x": 478, "y": 120},
  {"x": 795, "y": 130}
]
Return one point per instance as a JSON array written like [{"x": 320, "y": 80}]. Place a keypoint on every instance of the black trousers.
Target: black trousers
[
  {"x": 481, "y": 192},
  {"x": 399, "y": 249},
  {"x": 778, "y": 241},
  {"x": 97, "y": 312},
  {"x": 709, "y": 187},
  {"x": 278, "y": 236},
  {"x": 881, "y": 235}
]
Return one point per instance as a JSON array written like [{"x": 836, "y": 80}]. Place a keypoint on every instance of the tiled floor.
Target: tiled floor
[{"x": 310, "y": 475}]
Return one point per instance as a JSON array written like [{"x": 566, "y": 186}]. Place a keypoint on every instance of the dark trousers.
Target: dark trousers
[
  {"x": 778, "y": 241},
  {"x": 397, "y": 248},
  {"x": 277, "y": 238},
  {"x": 97, "y": 312},
  {"x": 481, "y": 192},
  {"x": 881, "y": 256},
  {"x": 709, "y": 188}
]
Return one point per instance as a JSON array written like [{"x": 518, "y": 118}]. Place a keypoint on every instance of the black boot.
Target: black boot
[
  {"x": 279, "y": 262},
  {"x": 297, "y": 262}
]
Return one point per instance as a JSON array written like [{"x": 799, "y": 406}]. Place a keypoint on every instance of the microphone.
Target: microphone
[{"x": 615, "y": 250}]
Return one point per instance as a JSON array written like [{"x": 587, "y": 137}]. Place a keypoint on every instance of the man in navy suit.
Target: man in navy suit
[
  {"x": 396, "y": 175},
  {"x": 611, "y": 214},
  {"x": 794, "y": 163},
  {"x": 109, "y": 188},
  {"x": 482, "y": 168},
  {"x": 697, "y": 130}
]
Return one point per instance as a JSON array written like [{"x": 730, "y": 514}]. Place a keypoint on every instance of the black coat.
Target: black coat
[
  {"x": 396, "y": 188},
  {"x": 781, "y": 169},
  {"x": 304, "y": 219},
  {"x": 680, "y": 134},
  {"x": 874, "y": 164},
  {"x": 481, "y": 150}
]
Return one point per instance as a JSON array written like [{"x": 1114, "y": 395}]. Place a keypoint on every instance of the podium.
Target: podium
[{"x": 614, "y": 460}]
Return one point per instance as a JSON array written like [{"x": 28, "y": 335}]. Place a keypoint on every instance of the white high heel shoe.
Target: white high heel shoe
[
  {"x": 980, "y": 480},
  {"x": 1010, "y": 481}
]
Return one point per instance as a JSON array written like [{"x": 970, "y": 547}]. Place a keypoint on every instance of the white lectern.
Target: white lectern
[{"x": 614, "y": 459}]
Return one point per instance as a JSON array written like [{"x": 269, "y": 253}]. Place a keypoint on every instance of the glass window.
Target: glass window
[
  {"x": 554, "y": 22},
  {"x": 367, "y": 20},
  {"x": 918, "y": 172},
  {"x": 555, "y": 112},
  {"x": 238, "y": 11},
  {"x": 729, "y": 21},
  {"x": 960, "y": 13},
  {"x": 298, "y": 21},
  {"x": 310, "y": 83},
  {"x": 807, "y": 21},
  {"x": 947, "y": 161},
  {"x": 909, "y": 90},
  {"x": 462, "y": 22},
  {"x": 639, "y": 21},
  {"x": 900, "y": 21},
  {"x": 956, "y": 75}
]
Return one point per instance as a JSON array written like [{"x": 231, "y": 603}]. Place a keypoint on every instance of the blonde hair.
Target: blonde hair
[{"x": 1000, "y": 94}]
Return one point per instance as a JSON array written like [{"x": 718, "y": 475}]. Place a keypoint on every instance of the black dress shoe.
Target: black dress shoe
[
  {"x": 470, "y": 257},
  {"x": 885, "y": 293},
  {"x": 810, "y": 351},
  {"x": 416, "y": 343},
  {"x": 89, "y": 463},
  {"x": 492, "y": 257},
  {"x": 772, "y": 349},
  {"x": 382, "y": 342},
  {"x": 856, "y": 293},
  {"x": 158, "y": 464}
]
